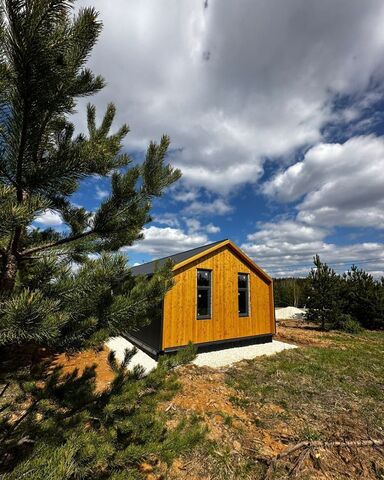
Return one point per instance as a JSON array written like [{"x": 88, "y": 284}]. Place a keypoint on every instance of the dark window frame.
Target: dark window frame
[
  {"x": 246, "y": 290},
  {"x": 207, "y": 288}
]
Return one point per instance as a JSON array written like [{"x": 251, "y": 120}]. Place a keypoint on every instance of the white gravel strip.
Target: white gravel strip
[
  {"x": 119, "y": 344},
  {"x": 214, "y": 359},
  {"x": 227, "y": 356}
]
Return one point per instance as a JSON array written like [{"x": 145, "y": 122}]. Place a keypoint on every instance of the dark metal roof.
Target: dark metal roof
[{"x": 150, "y": 267}]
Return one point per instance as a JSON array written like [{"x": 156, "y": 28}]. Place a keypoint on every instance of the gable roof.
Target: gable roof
[
  {"x": 183, "y": 258},
  {"x": 150, "y": 267}
]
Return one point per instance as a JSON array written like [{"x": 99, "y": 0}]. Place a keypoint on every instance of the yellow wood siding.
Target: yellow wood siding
[{"x": 180, "y": 324}]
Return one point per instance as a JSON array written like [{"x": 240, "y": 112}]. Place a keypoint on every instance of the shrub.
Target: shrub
[{"x": 346, "y": 323}]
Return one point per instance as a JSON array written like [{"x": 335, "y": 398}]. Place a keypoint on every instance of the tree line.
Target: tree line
[
  {"x": 348, "y": 301},
  {"x": 290, "y": 291}
]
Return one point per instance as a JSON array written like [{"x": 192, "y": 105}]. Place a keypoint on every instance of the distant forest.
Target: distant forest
[
  {"x": 290, "y": 292},
  {"x": 348, "y": 301}
]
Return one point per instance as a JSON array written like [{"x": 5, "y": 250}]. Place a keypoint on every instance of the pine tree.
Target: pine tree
[
  {"x": 43, "y": 52},
  {"x": 324, "y": 304},
  {"x": 51, "y": 425},
  {"x": 363, "y": 298}
]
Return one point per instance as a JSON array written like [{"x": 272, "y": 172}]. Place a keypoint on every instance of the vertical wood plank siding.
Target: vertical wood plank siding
[{"x": 180, "y": 324}]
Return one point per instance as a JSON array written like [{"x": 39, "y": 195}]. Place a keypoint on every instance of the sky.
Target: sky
[{"x": 275, "y": 113}]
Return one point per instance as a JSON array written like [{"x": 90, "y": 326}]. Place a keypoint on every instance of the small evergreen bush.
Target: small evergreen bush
[{"x": 346, "y": 323}]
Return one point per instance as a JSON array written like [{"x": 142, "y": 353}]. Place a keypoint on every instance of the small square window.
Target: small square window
[
  {"x": 242, "y": 280},
  {"x": 203, "y": 278}
]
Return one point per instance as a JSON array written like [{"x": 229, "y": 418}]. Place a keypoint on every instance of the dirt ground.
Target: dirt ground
[
  {"x": 81, "y": 360},
  {"x": 205, "y": 392}
]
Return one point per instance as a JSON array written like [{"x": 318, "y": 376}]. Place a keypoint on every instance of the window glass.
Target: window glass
[
  {"x": 203, "y": 278},
  {"x": 243, "y": 280},
  {"x": 202, "y": 303},
  {"x": 242, "y": 302},
  {"x": 243, "y": 294},
  {"x": 203, "y": 294}
]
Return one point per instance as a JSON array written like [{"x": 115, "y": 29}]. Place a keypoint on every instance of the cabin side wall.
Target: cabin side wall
[
  {"x": 149, "y": 338},
  {"x": 180, "y": 324}
]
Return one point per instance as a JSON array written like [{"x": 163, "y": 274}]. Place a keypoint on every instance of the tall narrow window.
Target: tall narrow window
[
  {"x": 243, "y": 294},
  {"x": 203, "y": 294}
]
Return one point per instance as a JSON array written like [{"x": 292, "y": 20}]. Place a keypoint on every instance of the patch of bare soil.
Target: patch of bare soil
[
  {"x": 205, "y": 393},
  {"x": 80, "y": 361}
]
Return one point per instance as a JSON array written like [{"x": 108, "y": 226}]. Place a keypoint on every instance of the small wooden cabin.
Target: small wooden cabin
[{"x": 219, "y": 296}]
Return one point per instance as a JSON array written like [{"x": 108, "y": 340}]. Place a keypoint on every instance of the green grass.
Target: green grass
[{"x": 314, "y": 384}]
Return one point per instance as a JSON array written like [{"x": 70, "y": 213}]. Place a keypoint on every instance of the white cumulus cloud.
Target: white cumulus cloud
[
  {"x": 219, "y": 206},
  {"x": 338, "y": 184},
  {"x": 100, "y": 193},
  {"x": 161, "y": 242},
  {"x": 49, "y": 218},
  {"x": 212, "y": 228},
  {"x": 286, "y": 248}
]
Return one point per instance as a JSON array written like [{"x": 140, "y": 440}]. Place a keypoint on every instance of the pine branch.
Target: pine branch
[
  {"x": 14, "y": 426},
  {"x": 10, "y": 179},
  {"x": 20, "y": 157},
  {"x": 58, "y": 243},
  {"x": 4, "y": 389},
  {"x": 140, "y": 197}
]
